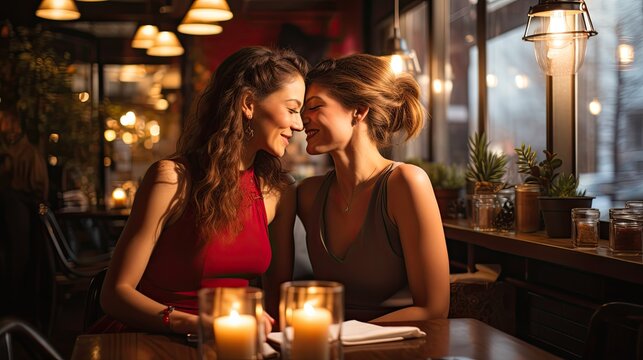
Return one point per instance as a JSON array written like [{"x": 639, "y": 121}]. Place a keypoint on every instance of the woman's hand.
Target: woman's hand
[{"x": 268, "y": 322}]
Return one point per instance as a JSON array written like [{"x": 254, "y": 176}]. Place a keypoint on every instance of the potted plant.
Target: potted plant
[
  {"x": 485, "y": 169},
  {"x": 447, "y": 181},
  {"x": 559, "y": 191}
]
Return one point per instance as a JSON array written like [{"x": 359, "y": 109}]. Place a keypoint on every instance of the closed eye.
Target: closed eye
[{"x": 293, "y": 111}]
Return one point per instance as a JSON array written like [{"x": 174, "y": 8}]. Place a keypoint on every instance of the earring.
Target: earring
[{"x": 250, "y": 133}]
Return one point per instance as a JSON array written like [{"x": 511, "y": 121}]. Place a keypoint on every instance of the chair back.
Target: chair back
[
  {"x": 66, "y": 260},
  {"x": 615, "y": 332},
  {"x": 29, "y": 342},
  {"x": 93, "y": 310}
]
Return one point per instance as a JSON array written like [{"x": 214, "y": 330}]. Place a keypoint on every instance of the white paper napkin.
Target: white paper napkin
[{"x": 359, "y": 333}]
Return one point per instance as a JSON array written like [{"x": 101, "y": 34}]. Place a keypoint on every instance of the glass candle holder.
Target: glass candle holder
[
  {"x": 312, "y": 313},
  {"x": 585, "y": 228},
  {"x": 230, "y": 323},
  {"x": 485, "y": 210}
]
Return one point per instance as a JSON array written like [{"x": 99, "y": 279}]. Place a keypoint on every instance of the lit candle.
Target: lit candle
[
  {"x": 235, "y": 336},
  {"x": 119, "y": 196},
  {"x": 310, "y": 333}
]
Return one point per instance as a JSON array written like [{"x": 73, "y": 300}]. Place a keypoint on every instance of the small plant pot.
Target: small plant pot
[
  {"x": 445, "y": 198},
  {"x": 557, "y": 213}
]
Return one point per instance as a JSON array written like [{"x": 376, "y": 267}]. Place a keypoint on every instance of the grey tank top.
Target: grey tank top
[{"x": 372, "y": 270}]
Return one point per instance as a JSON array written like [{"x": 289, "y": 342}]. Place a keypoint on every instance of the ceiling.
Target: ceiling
[{"x": 116, "y": 18}]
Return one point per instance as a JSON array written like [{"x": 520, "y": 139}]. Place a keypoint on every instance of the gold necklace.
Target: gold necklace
[{"x": 350, "y": 200}]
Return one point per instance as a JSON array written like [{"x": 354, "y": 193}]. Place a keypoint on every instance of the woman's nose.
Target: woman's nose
[{"x": 297, "y": 124}]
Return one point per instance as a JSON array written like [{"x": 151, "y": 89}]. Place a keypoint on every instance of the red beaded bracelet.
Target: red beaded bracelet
[{"x": 166, "y": 316}]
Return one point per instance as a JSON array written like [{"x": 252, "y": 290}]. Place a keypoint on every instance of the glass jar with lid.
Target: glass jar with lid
[
  {"x": 527, "y": 210},
  {"x": 505, "y": 219},
  {"x": 585, "y": 228},
  {"x": 485, "y": 209},
  {"x": 626, "y": 231}
]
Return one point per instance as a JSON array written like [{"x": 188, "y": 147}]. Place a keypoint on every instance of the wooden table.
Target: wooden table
[{"x": 466, "y": 338}]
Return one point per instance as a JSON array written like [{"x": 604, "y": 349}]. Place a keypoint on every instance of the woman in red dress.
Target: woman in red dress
[{"x": 203, "y": 217}]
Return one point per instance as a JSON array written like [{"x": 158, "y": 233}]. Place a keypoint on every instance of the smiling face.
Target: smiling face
[
  {"x": 277, "y": 116},
  {"x": 327, "y": 122}
]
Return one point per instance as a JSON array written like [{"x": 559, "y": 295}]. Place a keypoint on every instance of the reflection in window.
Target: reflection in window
[
  {"x": 142, "y": 109},
  {"x": 610, "y": 106}
]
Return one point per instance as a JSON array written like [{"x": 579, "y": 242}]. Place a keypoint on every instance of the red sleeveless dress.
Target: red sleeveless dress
[{"x": 181, "y": 264}]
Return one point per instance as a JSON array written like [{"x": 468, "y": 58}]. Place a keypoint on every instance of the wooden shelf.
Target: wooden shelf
[{"x": 558, "y": 251}]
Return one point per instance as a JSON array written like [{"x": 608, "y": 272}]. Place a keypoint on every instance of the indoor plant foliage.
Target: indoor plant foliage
[
  {"x": 559, "y": 191},
  {"x": 485, "y": 168},
  {"x": 37, "y": 79}
]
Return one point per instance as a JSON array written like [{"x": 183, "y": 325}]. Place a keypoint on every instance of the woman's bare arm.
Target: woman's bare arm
[
  {"x": 412, "y": 206},
  {"x": 155, "y": 200}
]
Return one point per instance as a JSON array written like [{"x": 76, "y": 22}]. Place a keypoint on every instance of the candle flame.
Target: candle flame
[
  {"x": 234, "y": 315},
  {"x": 309, "y": 308}
]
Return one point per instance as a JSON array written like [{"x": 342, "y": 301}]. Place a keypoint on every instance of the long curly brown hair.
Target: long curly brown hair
[{"x": 212, "y": 137}]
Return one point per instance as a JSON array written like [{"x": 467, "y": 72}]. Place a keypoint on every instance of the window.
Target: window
[{"x": 610, "y": 106}]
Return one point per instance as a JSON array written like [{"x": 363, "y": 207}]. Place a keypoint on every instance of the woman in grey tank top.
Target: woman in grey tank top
[{"x": 371, "y": 223}]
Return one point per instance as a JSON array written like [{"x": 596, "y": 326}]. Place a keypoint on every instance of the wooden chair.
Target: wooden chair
[
  {"x": 615, "y": 332},
  {"x": 67, "y": 272},
  {"x": 93, "y": 310},
  {"x": 28, "y": 340}
]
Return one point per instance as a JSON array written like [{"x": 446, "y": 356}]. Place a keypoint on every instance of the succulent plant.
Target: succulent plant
[
  {"x": 545, "y": 173},
  {"x": 442, "y": 176},
  {"x": 566, "y": 186},
  {"x": 484, "y": 165}
]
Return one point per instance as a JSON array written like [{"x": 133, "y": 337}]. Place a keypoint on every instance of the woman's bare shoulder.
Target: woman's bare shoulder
[{"x": 310, "y": 185}]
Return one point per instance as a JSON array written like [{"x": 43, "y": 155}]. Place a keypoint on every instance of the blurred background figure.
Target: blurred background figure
[{"x": 23, "y": 185}]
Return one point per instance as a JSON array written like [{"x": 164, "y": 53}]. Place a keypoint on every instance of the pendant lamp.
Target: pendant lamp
[
  {"x": 145, "y": 36},
  {"x": 397, "y": 51},
  {"x": 559, "y": 30},
  {"x": 58, "y": 10},
  {"x": 210, "y": 10},
  {"x": 166, "y": 44},
  {"x": 193, "y": 26}
]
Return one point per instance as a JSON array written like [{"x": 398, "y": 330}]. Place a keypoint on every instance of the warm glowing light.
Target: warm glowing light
[
  {"x": 210, "y": 10},
  {"x": 127, "y": 138},
  {"x": 53, "y": 160},
  {"x": 107, "y": 161},
  {"x": 438, "y": 86},
  {"x": 53, "y": 137},
  {"x": 522, "y": 81},
  {"x": 148, "y": 144},
  {"x": 155, "y": 129},
  {"x": 58, "y": 10},
  {"x": 595, "y": 107},
  {"x": 397, "y": 64},
  {"x": 119, "y": 194},
  {"x": 193, "y": 26},
  {"x": 492, "y": 80},
  {"x": 132, "y": 73},
  {"x": 161, "y": 104},
  {"x": 145, "y": 36},
  {"x": 625, "y": 54},
  {"x": 129, "y": 119},
  {"x": 166, "y": 44},
  {"x": 83, "y": 96},
  {"x": 110, "y": 135}
]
